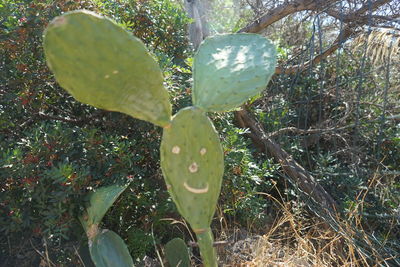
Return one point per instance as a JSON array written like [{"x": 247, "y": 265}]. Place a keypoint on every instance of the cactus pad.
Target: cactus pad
[
  {"x": 101, "y": 64},
  {"x": 230, "y": 69},
  {"x": 177, "y": 253},
  {"x": 107, "y": 249},
  {"x": 100, "y": 201},
  {"x": 193, "y": 164}
]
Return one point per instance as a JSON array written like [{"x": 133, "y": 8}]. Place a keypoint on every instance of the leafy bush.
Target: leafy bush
[
  {"x": 54, "y": 150},
  {"x": 246, "y": 175}
]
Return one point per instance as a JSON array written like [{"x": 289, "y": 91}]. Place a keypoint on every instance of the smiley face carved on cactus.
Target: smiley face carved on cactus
[
  {"x": 196, "y": 190},
  {"x": 192, "y": 164}
]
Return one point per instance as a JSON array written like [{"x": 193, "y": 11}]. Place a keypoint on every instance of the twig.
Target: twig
[
  {"x": 155, "y": 247},
  {"x": 79, "y": 256},
  {"x": 47, "y": 251},
  {"x": 41, "y": 254},
  {"x": 51, "y": 117}
]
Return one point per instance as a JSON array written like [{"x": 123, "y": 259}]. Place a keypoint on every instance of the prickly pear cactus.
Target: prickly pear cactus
[
  {"x": 229, "y": 69},
  {"x": 177, "y": 253},
  {"x": 101, "y": 64},
  {"x": 193, "y": 164},
  {"x": 107, "y": 249},
  {"x": 100, "y": 201}
]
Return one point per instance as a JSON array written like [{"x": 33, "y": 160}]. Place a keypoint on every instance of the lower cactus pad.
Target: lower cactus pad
[{"x": 107, "y": 249}]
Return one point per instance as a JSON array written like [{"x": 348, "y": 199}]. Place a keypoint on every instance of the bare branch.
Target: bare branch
[
  {"x": 284, "y": 10},
  {"x": 336, "y": 44},
  {"x": 352, "y": 20},
  {"x": 51, "y": 117},
  {"x": 294, "y": 170}
]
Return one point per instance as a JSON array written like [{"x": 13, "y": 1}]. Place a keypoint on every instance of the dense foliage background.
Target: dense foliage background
[{"x": 55, "y": 150}]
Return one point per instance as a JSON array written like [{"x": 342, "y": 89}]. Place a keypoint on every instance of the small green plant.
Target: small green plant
[
  {"x": 101, "y": 64},
  {"x": 106, "y": 247},
  {"x": 177, "y": 253}
]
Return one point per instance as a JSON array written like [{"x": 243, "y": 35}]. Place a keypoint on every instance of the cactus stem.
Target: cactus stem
[
  {"x": 196, "y": 190},
  {"x": 193, "y": 167},
  {"x": 205, "y": 241}
]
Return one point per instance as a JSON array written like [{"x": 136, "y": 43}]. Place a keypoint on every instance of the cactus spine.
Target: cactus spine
[{"x": 114, "y": 71}]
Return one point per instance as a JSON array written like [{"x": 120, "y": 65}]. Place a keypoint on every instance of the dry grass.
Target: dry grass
[
  {"x": 380, "y": 44},
  {"x": 294, "y": 242},
  {"x": 299, "y": 240}
]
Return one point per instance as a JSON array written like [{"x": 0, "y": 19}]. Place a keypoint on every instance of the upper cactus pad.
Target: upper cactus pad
[
  {"x": 193, "y": 164},
  {"x": 229, "y": 69},
  {"x": 103, "y": 65}
]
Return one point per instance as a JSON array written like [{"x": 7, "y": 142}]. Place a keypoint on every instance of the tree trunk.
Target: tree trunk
[
  {"x": 198, "y": 29},
  {"x": 297, "y": 174}
]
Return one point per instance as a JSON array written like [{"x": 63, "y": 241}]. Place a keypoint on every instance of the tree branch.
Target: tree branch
[
  {"x": 284, "y": 10},
  {"x": 336, "y": 44},
  {"x": 305, "y": 181},
  {"x": 353, "y": 20},
  {"x": 51, "y": 117}
]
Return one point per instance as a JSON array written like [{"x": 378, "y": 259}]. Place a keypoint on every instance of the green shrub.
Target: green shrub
[{"x": 55, "y": 150}]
